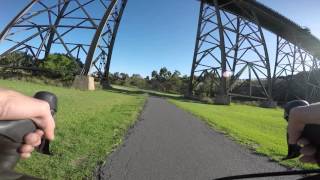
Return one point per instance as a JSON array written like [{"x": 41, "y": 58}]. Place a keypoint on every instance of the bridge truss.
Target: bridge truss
[
  {"x": 228, "y": 43},
  {"x": 83, "y": 29},
  {"x": 229, "y": 40},
  {"x": 291, "y": 59}
]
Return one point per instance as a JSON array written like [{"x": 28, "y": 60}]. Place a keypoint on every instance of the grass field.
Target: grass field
[
  {"x": 150, "y": 92},
  {"x": 260, "y": 129},
  {"x": 89, "y": 126}
]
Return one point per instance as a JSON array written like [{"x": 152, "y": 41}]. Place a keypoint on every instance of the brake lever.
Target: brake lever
[{"x": 12, "y": 137}]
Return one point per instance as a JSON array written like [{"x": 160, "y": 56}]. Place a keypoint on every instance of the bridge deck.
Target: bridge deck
[{"x": 274, "y": 22}]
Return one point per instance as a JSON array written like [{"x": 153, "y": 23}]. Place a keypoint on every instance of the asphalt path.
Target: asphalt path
[{"x": 171, "y": 144}]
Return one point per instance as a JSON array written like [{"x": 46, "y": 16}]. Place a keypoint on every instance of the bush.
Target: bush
[
  {"x": 61, "y": 66},
  {"x": 17, "y": 59}
]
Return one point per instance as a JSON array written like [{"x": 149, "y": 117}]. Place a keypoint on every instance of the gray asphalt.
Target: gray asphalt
[{"x": 171, "y": 144}]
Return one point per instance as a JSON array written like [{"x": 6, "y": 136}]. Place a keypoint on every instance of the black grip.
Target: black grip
[
  {"x": 12, "y": 134},
  {"x": 311, "y": 131}
]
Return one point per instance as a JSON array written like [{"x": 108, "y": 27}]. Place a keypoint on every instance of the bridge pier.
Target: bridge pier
[
  {"x": 222, "y": 99},
  {"x": 84, "y": 83},
  {"x": 269, "y": 104}
]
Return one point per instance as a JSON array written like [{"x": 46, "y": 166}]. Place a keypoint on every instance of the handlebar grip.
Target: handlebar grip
[
  {"x": 12, "y": 134},
  {"x": 311, "y": 131}
]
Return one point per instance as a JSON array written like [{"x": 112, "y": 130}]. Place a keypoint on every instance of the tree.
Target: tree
[
  {"x": 174, "y": 82},
  {"x": 164, "y": 74},
  {"x": 114, "y": 78},
  {"x": 17, "y": 59},
  {"x": 176, "y": 73},
  {"x": 124, "y": 78},
  {"x": 164, "y": 81},
  {"x": 62, "y": 66},
  {"x": 184, "y": 88},
  {"x": 138, "y": 81},
  {"x": 154, "y": 75}
]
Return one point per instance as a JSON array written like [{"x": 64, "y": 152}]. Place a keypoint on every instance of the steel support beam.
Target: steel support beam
[
  {"x": 96, "y": 38},
  {"x": 223, "y": 56},
  {"x": 117, "y": 20},
  {"x": 7, "y": 29},
  {"x": 196, "y": 49},
  {"x": 54, "y": 26},
  {"x": 228, "y": 43},
  {"x": 294, "y": 62},
  {"x": 52, "y": 31}
]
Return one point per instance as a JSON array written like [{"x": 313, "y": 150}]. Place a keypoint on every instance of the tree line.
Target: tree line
[
  {"x": 163, "y": 80},
  {"x": 63, "y": 68},
  {"x": 55, "y": 66}
]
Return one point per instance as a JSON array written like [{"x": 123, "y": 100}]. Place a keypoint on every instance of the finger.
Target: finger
[
  {"x": 39, "y": 132},
  {"x": 47, "y": 125},
  {"x": 308, "y": 150},
  {"x": 295, "y": 130},
  {"x": 308, "y": 159},
  {"x": 45, "y": 120},
  {"x": 26, "y": 149},
  {"x": 32, "y": 139},
  {"x": 25, "y": 155},
  {"x": 303, "y": 142},
  {"x": 295, "y": 125},
  {"x": 38, "y": 143},
  {"x": 49, "y": 129}
]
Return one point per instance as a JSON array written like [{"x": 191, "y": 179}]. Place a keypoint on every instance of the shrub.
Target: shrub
[{"x": 61, "y": 66}]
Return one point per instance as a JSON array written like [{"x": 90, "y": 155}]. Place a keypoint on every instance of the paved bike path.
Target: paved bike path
[{"x": 171, "y": 144}]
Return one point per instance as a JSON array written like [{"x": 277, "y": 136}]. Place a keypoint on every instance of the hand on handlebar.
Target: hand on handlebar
[
  {"x": 299, "y": 117},
  {"x": 15, "y": 106}
]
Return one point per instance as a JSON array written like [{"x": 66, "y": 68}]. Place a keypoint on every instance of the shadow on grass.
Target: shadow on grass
[{"x": 181, "y": 97}]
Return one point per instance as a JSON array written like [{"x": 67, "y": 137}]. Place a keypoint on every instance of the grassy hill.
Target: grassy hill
[{"x": 89, "y": 126}]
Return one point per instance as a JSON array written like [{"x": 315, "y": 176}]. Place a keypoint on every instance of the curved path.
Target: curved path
[{"x": 171, "y": 144}]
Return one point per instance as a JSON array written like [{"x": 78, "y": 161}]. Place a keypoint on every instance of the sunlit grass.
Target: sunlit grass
[
  {"x": 151, "y": 92},
  {"x": 89, "y": 126},
  {"x": 260, "y": 129}
]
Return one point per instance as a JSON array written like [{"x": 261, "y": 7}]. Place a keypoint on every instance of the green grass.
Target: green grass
[
  {"x": 89, "y": 126},
  {"x": 150, "y": 92},
  {"x": 260, "y": 129}
]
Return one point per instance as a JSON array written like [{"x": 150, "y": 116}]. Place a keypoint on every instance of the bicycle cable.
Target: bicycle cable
[{"x": 268, "y": 174}]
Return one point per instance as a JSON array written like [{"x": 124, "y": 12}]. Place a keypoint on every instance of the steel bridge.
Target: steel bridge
[
  {"x": 229, "y": 38},
  {"x": 47, "y": 26}
]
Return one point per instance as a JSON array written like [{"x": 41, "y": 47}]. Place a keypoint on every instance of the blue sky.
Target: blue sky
[{"x": 154, "y": 34}]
